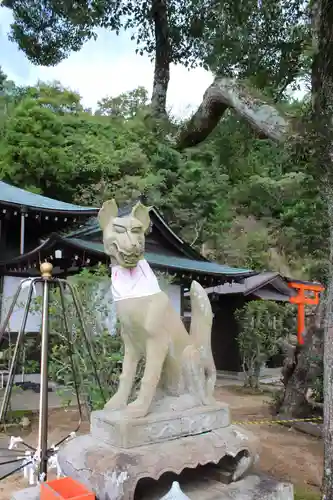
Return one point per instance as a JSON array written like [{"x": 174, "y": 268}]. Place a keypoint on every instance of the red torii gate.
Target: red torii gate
[{"x": 302, "y": 299}]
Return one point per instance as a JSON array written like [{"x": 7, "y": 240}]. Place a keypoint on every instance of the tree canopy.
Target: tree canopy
[{"x": 268, "y": 42}]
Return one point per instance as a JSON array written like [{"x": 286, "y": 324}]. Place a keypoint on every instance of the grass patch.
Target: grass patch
[
  {"x": 301, "y": 494},
  {"x": 15, "y": 416}
]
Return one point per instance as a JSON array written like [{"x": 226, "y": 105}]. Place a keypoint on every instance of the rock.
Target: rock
[
  {"x": 252, "y": 488},
  {"x": 32, "y": 493},
  {"x": 25, "y": 422}
]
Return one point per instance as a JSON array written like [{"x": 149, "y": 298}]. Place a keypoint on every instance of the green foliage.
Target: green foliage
[
  {"x": 126, "y": 105},
  {"x": 49, "y": 31},
  {"x": 108, "y": 354},
  {"x": 270, "y": 213},
  {"x": 262, "y": 325},
  {"x": 3, "y": 78},
  {"x": 270, "y": 42},
  {"x": 267, "y": 42},
  {"x": 242, "y": 201},
  {"x": 51, "y": 143}
]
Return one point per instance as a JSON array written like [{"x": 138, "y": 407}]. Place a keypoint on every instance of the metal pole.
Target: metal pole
[
  {"x": 87, "y": 340},
  {"x": 46, "y": 271},
  {"x": 69, "y": 346},
  {"x": 70, "y": 352},
  {"x": 11, "y": 309},
  {"x": 18, "y": 344}
]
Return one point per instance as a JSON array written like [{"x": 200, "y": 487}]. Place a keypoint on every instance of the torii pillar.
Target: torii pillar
[{"x": 307, "y": 294}]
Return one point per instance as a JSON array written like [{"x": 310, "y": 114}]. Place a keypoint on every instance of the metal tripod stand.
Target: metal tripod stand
[{"x": 42, "y": 453}]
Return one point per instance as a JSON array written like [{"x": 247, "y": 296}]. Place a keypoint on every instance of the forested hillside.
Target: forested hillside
[{"x": 238, "y": 198}]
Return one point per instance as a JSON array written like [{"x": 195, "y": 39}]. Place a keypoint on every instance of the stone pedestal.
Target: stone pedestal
[
  {"x": 120, "y": 452},
  {"x": 160, "y": 426},
  {"x": 252, "y": 487}
]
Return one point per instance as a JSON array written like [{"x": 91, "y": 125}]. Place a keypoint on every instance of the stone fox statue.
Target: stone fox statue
[{"x": 176, "y": 363}]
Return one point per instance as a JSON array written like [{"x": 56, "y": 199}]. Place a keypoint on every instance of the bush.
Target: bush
[{"x": 262, "y": 325}]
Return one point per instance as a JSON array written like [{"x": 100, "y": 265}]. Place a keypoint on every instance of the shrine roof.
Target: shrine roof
[
  {"x": 266, "y": 285},
  {"x": 156, "y": 260},
  {"x": 14, "y": 196},
  {"x": 171, "y": 262}
]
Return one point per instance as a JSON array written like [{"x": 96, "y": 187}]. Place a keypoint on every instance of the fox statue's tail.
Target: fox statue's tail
[{"x": 200, "y": 332}]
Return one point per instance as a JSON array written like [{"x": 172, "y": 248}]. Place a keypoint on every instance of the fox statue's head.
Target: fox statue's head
[{"x": 124, "y": 237}]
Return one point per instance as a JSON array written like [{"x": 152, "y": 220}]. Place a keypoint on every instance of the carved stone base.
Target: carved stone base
[
  {"x": 113, "y": 472},
  {"x": 252, "y": 487},
  {"x": 114, "y": 428}
]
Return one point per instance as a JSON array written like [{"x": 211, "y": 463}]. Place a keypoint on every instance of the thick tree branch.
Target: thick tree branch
[{"x": 226, "y": 93}]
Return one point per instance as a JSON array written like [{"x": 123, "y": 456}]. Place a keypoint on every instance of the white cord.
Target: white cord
[
  {"x": 31, "y": 461},
  {"x": 14, "y": 441}
]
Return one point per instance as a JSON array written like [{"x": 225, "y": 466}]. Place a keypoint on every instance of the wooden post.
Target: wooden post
[{"x": 22, "y": 230}]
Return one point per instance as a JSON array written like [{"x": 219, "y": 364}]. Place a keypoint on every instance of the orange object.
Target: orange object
[
  {"x": 65, "y": 488},
  {"x": 302, "y": 299}
]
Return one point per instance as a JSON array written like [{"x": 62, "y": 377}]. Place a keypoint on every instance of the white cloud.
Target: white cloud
[{"x": 104, "y": 67}]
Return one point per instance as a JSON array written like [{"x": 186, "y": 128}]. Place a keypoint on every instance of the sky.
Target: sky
[{"x": 105, "y": 67}]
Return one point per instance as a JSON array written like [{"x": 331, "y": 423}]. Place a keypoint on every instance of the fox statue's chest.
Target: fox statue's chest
[
  {"x": 142, "y": 318},
  {"x": 133, "y": 283}
]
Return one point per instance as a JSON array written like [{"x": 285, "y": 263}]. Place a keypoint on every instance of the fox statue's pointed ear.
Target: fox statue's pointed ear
[
  {"x": 141, "y": 212},
  {"x": 108, "y": 212}
]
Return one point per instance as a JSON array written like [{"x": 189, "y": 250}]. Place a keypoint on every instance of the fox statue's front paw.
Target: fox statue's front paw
[
  {"x": 137, "y": 409},
  {"x": 117, "y": 402}
]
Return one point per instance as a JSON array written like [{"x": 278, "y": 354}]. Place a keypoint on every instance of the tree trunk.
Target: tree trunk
[
  {"x": 162, "y": 57},
  {"x": 322, "y": 100},
  {"x": 303, "y": 366},
  {"x": 328, "y": 373}
]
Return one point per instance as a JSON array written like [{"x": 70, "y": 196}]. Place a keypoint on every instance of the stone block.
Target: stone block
[{"x": 117, "y": 430}]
